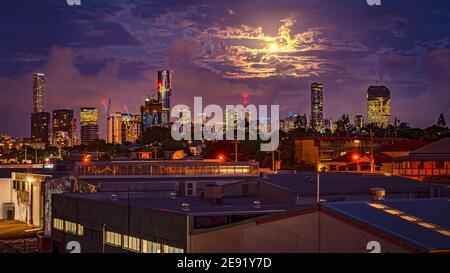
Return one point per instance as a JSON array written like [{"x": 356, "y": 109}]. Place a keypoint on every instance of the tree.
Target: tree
[{"x": 441, "y": 122}]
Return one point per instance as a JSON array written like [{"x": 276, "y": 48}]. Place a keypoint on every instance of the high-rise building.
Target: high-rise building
[
  {"x": 164, "y": 93},
  {"x": 317, "y": 106},
  {"x": 114, "y": 134},
  {"x": 38, "y": 92},
  {"x": 88, "y": 124},
  {"x": 40, "y": 122},
  {"x": 131, "y": 128},
  {"x": 63, "y": 128},
  {"x": 378, "y": 106},
  {"x": 359, "y": 122},
  {"x": 151, "y": 114}
]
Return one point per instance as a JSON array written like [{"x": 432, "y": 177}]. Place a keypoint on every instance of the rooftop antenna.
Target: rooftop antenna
[{"x": 377, "y": 78}]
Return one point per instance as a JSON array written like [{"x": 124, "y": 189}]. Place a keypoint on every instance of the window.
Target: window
[
  {"x": 131, "y": 243},
  {"x": 113, "y": 238},
  {"x": 70, "y": 227},
  {"x": 58, "y": 224},
  {"x": 80, "y": 230},
  {"x": 171, "y": 249},
  {"x": 150, "y": 247}
]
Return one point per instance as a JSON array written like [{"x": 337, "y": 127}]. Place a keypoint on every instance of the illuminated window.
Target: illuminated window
[
  {"x": 444, "y": 232},
  {"x": 171, "y": 249},
  {"x": 58, "y": 224},
  {"x": 377, "y": 206},
  {"x": 392, "y": 211},
  {"x": 150, "y": 247},
  {"x": 80, "y": 230},
  {"x": 427, "y": 225},
  {"x": 131, "y": 243},
  {"x": 409, "y": 218},
  {"x": 113, "y": 238},
  {"x": 70, "y": 227}
]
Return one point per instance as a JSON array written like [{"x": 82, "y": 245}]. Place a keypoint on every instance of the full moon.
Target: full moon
[{"x": 273, "y": 48}]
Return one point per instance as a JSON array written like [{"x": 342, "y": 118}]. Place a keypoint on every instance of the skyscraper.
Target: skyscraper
[
  {"x": 164, "y": 93},
  {"x": 62, "y": 127},
  {"x": 359, "y": 122},
  {"x": 378, "y": 106},
  {"x": 88, "y": 124},
  {"x": 40, "y": 120},
  {"x": 131, "y": 128},
  {"x": 151, "y": 114},
  {"x": 317, "y": 106},
  {"x": 114, "y": 134},
  {"x": 38, "y": 92}
]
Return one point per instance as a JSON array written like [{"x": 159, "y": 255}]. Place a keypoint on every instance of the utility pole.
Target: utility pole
[
  {"x": 318, "y": 188},
  {"x": 371, "y": 152},
  {"x": 235, "y": 150},
  {"x": 35, "y": 156},
  {"x": 25, "y": 153}
]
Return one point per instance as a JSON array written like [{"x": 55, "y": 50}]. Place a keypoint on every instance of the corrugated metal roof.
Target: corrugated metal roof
[
  {"x": 433, "y": 211},
  {"x": 344, "y": 183}
]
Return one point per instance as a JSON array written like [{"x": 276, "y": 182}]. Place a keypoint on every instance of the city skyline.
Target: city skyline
[{"x": 294, "y": 45}]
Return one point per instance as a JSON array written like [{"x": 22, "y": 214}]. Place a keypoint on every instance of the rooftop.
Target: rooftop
[
  {"x": 441, "y": 146},
  {"x": 197, "y": 205},
  {"x": 344, "y": 183},
  {"x": 421, "y": 222},
  {"x": 403, "y": 146}
]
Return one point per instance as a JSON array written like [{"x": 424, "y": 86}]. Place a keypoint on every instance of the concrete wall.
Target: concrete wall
[
  {"x": 294, "y": 233},
  {"x": 5, "y": 193},
  {"x": 336, "y": 236}
]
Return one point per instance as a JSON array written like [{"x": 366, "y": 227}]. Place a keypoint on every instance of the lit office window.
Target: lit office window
[
  {"x": 70, "y": 227},
  {"x": 131, "y": 243},
  {"x": 80, "y": 230},
  {"x": 171, "y": 249},
  {"x": 150, "y": 247},
  {"x": 113, "y": 238},
  {"x": 58, "y": 224}
]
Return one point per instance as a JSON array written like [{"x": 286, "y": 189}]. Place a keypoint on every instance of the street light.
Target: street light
[{"x": 356, "y": 157}]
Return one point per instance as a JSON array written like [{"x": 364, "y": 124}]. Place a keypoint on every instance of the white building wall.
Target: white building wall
[{"x": 5, "y": 193}]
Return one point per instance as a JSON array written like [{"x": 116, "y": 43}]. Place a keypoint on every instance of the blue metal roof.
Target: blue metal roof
[{"x": 434, "y": 211}]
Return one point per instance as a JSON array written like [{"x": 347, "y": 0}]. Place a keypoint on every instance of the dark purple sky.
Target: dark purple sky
[{"x": 220, "y": 49}]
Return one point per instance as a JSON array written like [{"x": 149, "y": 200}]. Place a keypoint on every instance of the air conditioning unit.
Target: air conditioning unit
[{"x": 190, "y": 188}]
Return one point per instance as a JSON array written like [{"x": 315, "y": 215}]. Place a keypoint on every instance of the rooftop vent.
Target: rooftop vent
[
  {"x": 256, "y": 204},
  {"x": 173, "y": 195},
  {"x": 377, "y": 194},
  {"x": 185, "y": 207},
  {"x": 114, "y": 197}
]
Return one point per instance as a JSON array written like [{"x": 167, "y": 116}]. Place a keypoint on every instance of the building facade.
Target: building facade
[
  {"x": 379, "y": 106},
  {"x": 316, "y": 106},
  {"x": 39, "y": 88},
  {"x": 359, "y": 122},
  {"x": 131, "y": 128},
  {"x": 151, "y": 114},
  {"x": 164, "y": 94},
  {"x": 88, "y": 124},
  {"x": 40, "y": 123},
  {"x": 63, "y": 133},
  {"x": 114, "y": 133}
]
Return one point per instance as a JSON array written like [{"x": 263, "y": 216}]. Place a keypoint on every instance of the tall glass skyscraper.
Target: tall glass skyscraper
[
  {"x": 88, "y": 124},
  {"x": 378, "y": 106},
  {"x": 38, "y": 92},
  {"x": 317, "y": 106},
  {"x": 164, "y": 93},
  {"x": 40, "y": 120}
]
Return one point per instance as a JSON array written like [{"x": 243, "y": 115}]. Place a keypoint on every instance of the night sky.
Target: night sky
[{"x": 221, "y": 49}]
